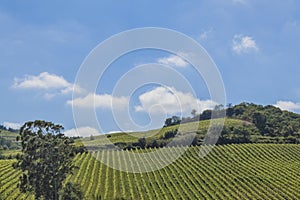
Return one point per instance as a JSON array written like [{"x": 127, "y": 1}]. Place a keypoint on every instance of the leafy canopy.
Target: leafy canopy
[{"x": 46, "y": 159}]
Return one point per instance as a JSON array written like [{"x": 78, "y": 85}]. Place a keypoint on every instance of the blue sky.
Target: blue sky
[{"x": 255, "y": 45}]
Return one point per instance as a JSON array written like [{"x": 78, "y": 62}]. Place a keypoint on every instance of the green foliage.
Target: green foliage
[
  {"x": 170, "y": 134},
  {"x": 270, "y": 120},
  {"x": 172, "y": 121},
  {"x": 71, "y": 191},
  {"x": 142, "y": 142},
  {"x": 46, "y": 159}
]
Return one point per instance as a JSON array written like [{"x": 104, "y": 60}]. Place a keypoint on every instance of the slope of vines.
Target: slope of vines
[{"x": 248, "y": 171}]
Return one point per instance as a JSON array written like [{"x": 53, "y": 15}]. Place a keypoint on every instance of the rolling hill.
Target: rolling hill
[{"x": 243, "y": 171}]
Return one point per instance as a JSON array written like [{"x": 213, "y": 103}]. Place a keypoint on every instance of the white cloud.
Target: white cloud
[
  {"x": 205, "y": 34},
  {"x": 100, "y": 101},
  {"x": 82, "y": 132},
  {"x": 287, "y": 105},
  {"x": 12, "y": 125},
  {"x": 51, "y": 83},
  {"x": 171, "y": 101},
  {"x": 243, "y": 44},
  {"x": 42, "y": 81},
  {"x": 173, "y": 60}
]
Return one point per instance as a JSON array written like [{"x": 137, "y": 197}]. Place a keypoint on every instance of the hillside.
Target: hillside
[
  {"x": 8, "y": 140},
  {"x": 124, "y": 140},
  {"x": 244, "y": 171},
  {"x": 237, "y": 129}
]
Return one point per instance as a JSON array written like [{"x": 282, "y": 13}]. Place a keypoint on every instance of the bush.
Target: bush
[
  {"x": 92, "y": 137},
  {"x": 142, "y": 142},
  {"x": 5, "y": 147},
  {"x": 170, "y": 134}
]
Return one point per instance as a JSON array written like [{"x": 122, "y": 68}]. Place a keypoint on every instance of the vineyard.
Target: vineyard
[{"x": 244, "y": 171}]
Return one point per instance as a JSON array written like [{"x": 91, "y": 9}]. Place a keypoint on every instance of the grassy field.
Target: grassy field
[
  {"x": 9, "y": 135},
  {"x": 243, "y": 171},
  {"x": 201, "y": 128}
]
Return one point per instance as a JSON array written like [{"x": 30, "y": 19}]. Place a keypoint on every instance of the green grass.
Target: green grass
[
  {"x": 8, "y": 135},
  {"x": 10, "y": 152},
  {"x": 243, "y": 171},
  {"x": 201, "y": 127}
]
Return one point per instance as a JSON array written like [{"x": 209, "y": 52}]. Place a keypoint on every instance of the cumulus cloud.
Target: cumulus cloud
[
  {"x": 100, "y": 101},
  {"x": 51, "y": 83},
  {"x": 42, "y": 81},
  {"x": 12, "y": 125},
  {"x": 82, "y": 132},
  {"x": 288, "y": 105},
  {"x": 162, "y": 100},
  {"x": 173, "y": 60},
  {"x": 243, "y": 44}
]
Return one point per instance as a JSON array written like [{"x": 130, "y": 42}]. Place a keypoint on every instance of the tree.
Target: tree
[
  {"x": 170, "y": 134},
  {"x": 71, "y": 191},
  {"x": 259, "y": 120},
  {"x": 175, "y": 120},
  {"x": 168, "y": 122},
  {"x": 194, "y": 112},
  {"x": 92, "y": 137},
  {"x": 142, "y": 142},
  {"x": 206, "y": 114},
  {"x": 172, "y": 121},
  {"x": 46, "y": 159}
]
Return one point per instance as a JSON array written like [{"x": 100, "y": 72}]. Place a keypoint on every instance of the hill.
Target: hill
[
  {"x": 158, "y": 136},
  {"x": 242, "y": 128},
  {"x": 244, "y": 171}
]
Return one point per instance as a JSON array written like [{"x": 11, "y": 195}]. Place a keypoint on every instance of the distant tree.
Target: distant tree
[
  {"x": 154, "y": 144},
  {"x": 3, "y": 127},
  {"x": 142, "y": 142},
  {"x": 219, "y": 107},
  {"x": 194, "y": 112},
  {"x": 170, "y": 134},
  {"x": 92, "y": 137},
  {"x": 206, "y": 114},
  {"x": 46, "y": 159},
  {"x": 168, "y": 122},
  {"x": 229, "y": 110},
  {"x": 172, "y": 121},
  {"x": 175, "y": 120}
]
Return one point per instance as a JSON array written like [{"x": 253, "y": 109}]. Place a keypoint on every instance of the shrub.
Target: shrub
[{"x": 170, "y": 134}]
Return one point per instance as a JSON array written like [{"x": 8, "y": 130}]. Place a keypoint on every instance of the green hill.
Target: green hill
[
  {"x": 199, "y": 128},
  {"x": 243, "y": 171}
]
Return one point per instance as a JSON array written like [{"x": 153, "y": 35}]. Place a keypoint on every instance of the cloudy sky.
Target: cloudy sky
[{"x": 255, "y": 45}]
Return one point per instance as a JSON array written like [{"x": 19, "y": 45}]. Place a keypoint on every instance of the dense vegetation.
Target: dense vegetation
[
  {"x": 272, "y": 124},
  {"x": 46, "y": 159},
  {"x": 244, "y": 171}
]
